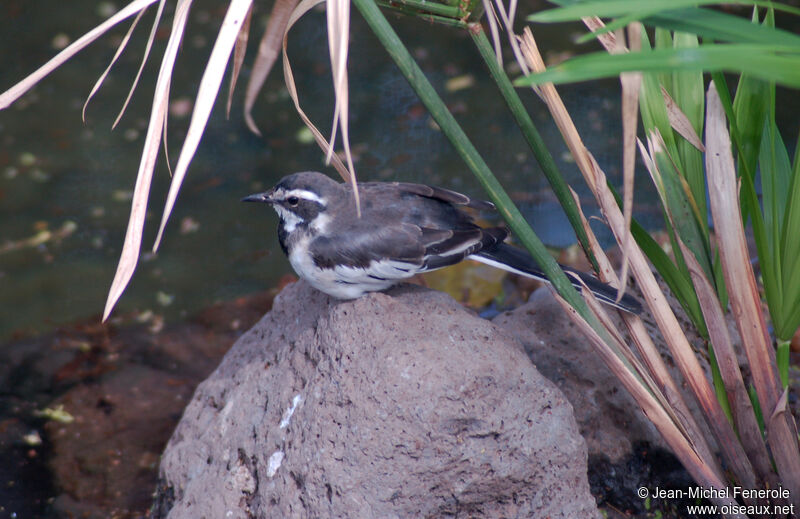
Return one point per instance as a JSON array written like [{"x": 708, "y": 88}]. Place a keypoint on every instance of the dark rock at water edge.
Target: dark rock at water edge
[{"x": 122, "y": 387}]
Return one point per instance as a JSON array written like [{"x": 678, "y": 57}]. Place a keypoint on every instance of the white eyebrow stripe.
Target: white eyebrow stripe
[{"x": 305, "y": 195}]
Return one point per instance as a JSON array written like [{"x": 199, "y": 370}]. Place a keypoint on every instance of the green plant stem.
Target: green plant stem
[
  {"x": 427, "y": 17},
  {"x": 719, "y": 384},
  {"x": 782, "y": 355},
  {"x": 411, "y": 71},
  {"x": 421, "y": 6},
  {"x": 535, "y": 141},
  {"x": 756, "y": 407}
]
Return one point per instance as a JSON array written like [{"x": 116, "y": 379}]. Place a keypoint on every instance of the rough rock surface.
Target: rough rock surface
[
  {"x": 392, "y": 405},
  {"x": 609, "y": 418},
  {"x": 625, "y": 449}
]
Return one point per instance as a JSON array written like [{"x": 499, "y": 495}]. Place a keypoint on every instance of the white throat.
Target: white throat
[{"x": 290, "y": 220}]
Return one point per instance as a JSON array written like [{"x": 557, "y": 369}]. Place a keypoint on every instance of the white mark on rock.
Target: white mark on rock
[
  {"x": 287, "y": 415},
  {"x": 223, "y": 416},
  {"x": 274, "y": 463}
]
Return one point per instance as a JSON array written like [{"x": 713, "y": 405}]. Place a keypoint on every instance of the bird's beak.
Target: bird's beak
[{"x": 265, "y": 197}]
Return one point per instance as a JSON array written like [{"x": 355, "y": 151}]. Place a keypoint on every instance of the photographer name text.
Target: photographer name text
[{"x": 717, "y": 493}]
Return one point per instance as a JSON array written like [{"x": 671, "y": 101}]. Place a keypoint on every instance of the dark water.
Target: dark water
[{"x": 75, "y": 180}]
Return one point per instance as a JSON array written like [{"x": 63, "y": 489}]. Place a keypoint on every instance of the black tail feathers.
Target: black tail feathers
[{"x": 516, "y": 260}]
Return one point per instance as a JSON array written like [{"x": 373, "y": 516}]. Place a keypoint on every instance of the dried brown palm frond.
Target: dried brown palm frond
[
  {"x": 268, "y": 49},
  {"x": 682, "y": 433},
  {"x": 231, "y": 40}
]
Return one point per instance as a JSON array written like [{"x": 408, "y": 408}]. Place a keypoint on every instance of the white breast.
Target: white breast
[{"x": 347, "y": 282}]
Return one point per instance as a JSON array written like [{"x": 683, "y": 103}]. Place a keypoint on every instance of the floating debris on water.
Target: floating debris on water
[
  {"x": 57, "y": 414},
  {"x": 42, "y": 236}
]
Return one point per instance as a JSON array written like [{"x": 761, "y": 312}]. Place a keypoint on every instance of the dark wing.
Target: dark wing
[
  {"x": 418, "y": 226},
  {"x": 444, "y": 195},
  {"x": 453, "y": 235},
  {"x": 408, "y": 247},
  {"x": 360, "y": 245},
  {"x": 445, "y": 248}
]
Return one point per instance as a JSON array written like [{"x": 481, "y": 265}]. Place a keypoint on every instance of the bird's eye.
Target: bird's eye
[{"x": 293, "y": 201}]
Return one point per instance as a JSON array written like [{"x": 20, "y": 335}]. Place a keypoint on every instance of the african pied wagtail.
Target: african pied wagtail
[{"x": 404, "y": 229}]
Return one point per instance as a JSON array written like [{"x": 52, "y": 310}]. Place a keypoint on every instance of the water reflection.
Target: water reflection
[{"x": 57, "y": 172}]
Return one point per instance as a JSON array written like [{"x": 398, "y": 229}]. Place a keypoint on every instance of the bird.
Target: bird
[{"x": 403, "y": 229}]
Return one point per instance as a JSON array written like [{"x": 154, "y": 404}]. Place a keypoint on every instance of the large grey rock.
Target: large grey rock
[
  {"x": 609, "y": 418},
  {"x": 392, "y": 405}
]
